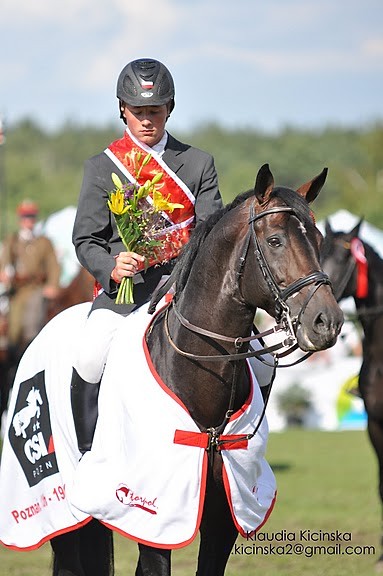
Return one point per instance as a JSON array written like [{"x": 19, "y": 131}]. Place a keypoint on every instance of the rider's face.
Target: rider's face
[
  {"x": 146, "y": 123},
  {"x": 27, "y": 222}
]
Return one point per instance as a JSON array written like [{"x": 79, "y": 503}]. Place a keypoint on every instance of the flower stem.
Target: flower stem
[{"x": 125, "y": 292}]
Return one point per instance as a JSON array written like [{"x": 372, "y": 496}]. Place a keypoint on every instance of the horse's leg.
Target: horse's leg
[
  {"x": 375, "y": 432},
  {"x": 371, "y": 389},
  {"x": 96, "y": 549},
  {"x": 218, "y": 532},
  {"x": 153, "y": 561},
  {"x": 84, "y": 552},
  {"x": 66, "y": 555}
]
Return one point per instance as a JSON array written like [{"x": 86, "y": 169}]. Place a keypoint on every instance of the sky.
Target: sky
[{"x": 243, "y": 64}]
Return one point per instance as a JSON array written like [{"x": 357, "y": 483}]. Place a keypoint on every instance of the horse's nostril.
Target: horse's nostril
[
  {"x": 324, "y": 324},
  {"x": 319, "y": 320},
  {"x": 321, "y": 323}
]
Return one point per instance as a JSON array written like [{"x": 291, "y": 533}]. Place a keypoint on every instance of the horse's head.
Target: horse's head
[
  {"x": 339, "y": 258},
  {"x": 285, "y": 244},
  {"x": 34, "y": 396},
  {"x": 260, "y": 251}
]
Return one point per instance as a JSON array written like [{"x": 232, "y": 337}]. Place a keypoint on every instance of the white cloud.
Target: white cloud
[
  {"x": 59, "y": 56},
  {"x": 373, "y": 48},
  {"x": 27, "y": 14}
]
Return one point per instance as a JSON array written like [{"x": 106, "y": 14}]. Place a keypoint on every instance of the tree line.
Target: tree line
[{"x": 47, "y": 167}]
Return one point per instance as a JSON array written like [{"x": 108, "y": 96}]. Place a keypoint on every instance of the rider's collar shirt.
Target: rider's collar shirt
[{"x": 160, "y": 146}]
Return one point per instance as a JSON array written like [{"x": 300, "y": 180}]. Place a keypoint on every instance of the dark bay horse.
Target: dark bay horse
[
  {"x": 260, "y": 251},
  {"x": 356, "y": 270}
]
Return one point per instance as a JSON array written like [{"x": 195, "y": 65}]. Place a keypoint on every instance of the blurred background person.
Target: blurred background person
[{"x": 30, "y": 273}]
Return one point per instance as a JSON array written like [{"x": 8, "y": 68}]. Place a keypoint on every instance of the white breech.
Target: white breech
[{"x": 97, "y": 335}]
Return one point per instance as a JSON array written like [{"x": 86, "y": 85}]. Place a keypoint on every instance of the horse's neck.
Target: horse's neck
[
  {"x": 210, "y": 300},
  {"x": 204, "y": 387}
]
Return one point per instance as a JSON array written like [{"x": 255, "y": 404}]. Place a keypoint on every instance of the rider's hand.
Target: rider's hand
[{"x": 126, "y": 265}]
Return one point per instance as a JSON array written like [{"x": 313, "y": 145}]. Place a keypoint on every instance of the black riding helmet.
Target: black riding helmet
[{"x": 145, "y": 82}]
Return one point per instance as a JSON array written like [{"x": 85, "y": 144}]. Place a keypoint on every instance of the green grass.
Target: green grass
[{"x": 327, "y": 481}]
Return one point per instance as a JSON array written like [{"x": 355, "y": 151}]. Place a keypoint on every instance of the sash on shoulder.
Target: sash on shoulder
[{"x": 177, "y": 225}]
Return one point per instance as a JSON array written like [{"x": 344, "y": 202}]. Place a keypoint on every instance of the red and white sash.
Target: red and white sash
[{"x": 179, "y": 223}]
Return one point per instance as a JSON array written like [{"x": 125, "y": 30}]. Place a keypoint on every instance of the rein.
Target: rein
[{"x": 237, "y": 341}]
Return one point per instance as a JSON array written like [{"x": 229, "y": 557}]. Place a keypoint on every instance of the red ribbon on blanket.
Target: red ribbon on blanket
[
  {"x": 201, "y": 440},
  {"x": 358, "y": 253}
]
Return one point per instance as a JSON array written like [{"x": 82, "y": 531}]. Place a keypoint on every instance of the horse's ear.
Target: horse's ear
[
  {"x": 354, "y": 233},
  {"x": 264, "y": 184},
  {"x": 328, "y": 228},
  {"x": 311, "y": 189}
]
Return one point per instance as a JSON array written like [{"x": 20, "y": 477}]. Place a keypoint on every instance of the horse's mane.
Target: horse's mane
[
  {"x": 200, "y": 233},
  {"x": 371, "y": 252},
  {"x": 185, "y": 260}
]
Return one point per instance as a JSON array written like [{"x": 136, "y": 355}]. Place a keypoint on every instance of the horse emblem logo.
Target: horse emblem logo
[
  {"x": 30, "y": 434},
  {"x": 22, "y": 419}
]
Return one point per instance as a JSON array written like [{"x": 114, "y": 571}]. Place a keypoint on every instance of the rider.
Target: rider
[
  {"x": 145, "y": 91},
  {"x": 30, "y": 272}
]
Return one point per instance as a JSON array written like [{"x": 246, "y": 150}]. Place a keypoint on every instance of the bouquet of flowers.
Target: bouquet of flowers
[{"x": 137, "y": 212}]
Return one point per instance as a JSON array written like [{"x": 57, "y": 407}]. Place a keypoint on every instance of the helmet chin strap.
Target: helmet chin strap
[{"x": 121, "y": 108}]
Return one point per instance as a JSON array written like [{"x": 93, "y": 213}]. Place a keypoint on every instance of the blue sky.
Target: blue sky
[{"x": 245, "y": 63}]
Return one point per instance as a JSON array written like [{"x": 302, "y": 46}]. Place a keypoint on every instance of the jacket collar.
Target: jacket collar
[{"x": 173, "y": 153}]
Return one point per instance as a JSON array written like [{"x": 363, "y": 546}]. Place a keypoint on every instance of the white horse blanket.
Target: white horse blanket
[{"x": 146, "y": 473}]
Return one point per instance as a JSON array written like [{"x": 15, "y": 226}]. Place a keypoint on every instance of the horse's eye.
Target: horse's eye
[{"x": 274, "y": 241}]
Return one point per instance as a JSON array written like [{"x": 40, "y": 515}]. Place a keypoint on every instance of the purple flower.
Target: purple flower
[{"x": 129, "y": 190}]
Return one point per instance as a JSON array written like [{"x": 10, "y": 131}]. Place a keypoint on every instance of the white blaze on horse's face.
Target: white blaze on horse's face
[{"x": 302, "y": 227}]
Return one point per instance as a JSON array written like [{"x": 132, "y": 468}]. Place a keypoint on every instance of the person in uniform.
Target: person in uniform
[
  {"x": 146, "y": 98},
  {"x": 30, "y": 272}
]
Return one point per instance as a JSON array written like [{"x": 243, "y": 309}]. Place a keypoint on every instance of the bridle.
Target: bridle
[
  {"x": 316, "y": 278},
  {"x": 347, "y": 274},
  {"x": 285, "y": 322}
]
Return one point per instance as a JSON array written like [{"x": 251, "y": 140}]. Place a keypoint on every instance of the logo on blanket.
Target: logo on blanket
[
  {"x": 30, "y": 433},
  {"x": 129, "y": 498}
]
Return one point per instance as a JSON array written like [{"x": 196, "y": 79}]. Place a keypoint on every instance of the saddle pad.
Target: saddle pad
[{"x": 145, "y": 475}]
